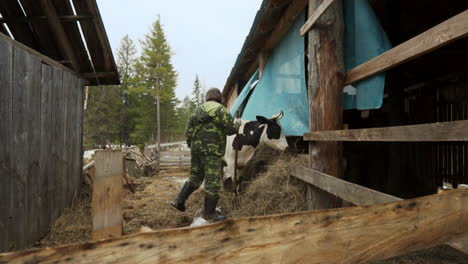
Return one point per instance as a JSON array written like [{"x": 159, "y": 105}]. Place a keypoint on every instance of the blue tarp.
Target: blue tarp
[
  {"x": 282, "y": 86},
  {"x": 243, "y": 95},
  {"x": 364, "y": 40}
]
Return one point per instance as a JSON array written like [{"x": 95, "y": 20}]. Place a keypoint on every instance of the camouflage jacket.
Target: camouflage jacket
[{"x": 207, "y": 129}]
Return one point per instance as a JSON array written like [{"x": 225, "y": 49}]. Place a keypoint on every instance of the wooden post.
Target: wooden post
[
  {"x": 107, "y": 194},
  {"x": 325, "y": 84}
]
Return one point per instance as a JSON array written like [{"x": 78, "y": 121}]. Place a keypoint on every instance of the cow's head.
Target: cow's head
[
  {"x": 263, "y": 132},
  {"x": 273, "y": 135}
]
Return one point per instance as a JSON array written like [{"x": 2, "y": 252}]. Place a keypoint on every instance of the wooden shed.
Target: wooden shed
[{"x": 49, "y": 50}]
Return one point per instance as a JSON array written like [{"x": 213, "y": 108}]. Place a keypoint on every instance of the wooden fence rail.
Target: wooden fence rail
[
  {"x": 356, "y": 194},
  {"x": 436, "y": 37},
  {"x": 328, "y": 236},
  {"x": 444, "y": 131}
]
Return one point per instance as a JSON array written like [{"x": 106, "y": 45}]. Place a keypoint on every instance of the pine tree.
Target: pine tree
[
  {"x": 101, "y": 113},
  {"x": 155, "y": 78},
  {"x": 197, "y": 92},
  {"x": 126, "y": 59}
]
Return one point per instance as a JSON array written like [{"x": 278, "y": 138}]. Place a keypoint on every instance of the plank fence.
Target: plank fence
[
  {"x": 175, "y": 159},
  {"x": 41, "y": 113}
]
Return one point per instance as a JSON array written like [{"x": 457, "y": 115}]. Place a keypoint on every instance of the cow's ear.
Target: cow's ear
[{"x": 262, "y": 119}]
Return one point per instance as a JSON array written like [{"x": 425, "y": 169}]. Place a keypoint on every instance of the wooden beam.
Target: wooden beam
[
  {"x": 70, "y": 18},
  {"x": 357, "y": 194},
  {"x": 262, "y": 61},
  {"x": 92, "y": 75},
  {"x": 107, "y": 194},
  {"x": 59, "y": 33},
  {"x": 445, "y": 131},
  {"x": 65, "y": 8},
  {"x": 354, "y": 193},
  {"x": 315, "y": 16},
  {"x": 436, "y": 37},
  {"x": 96, "y": 37},
  {"x": 328, "y": 236},
  {"x": 21, "y": 32},
  {"x": 325, "y": 92},
  {"x": 285, "y": 23}
]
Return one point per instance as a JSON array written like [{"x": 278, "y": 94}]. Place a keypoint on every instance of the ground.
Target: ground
[{"x": 150, "y": 206}]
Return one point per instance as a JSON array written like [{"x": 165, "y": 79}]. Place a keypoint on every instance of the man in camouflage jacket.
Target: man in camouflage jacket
[{"x": 206, "y": 136}]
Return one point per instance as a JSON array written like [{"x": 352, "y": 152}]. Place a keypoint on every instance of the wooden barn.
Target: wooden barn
[
  {"x": 387, "y": 68},
  {"x": 376, "y": 92},
  {"x": 49, "y": 50}
]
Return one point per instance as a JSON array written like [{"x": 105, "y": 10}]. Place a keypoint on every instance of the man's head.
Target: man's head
[{"x": 213, "y": 94}]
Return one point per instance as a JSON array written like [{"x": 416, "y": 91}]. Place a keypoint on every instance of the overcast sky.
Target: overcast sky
[{"x": 205, "y": 35}]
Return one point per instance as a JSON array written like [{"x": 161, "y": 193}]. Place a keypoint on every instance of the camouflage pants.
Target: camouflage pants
[{"x": 208, "y": 168}]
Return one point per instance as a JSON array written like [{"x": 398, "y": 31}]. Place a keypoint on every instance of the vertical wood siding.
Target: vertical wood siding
[{"x": 41, "y": 124}]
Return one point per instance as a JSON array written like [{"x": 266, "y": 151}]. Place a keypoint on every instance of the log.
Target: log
[
  {"x": 328, "y": 236},
  {"x": 325, "y": 90},
  {"x": 444, "y": 131}
]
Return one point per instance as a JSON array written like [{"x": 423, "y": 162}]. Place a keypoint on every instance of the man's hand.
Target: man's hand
[{"x": 237, "y": 122}]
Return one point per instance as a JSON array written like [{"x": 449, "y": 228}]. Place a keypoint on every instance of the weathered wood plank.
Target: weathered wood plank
[
  {"x": 356, "y": 194},
  {"x": 436, "y": 37},
  {"x": 315, "y": 16},
  {"x": 80, "y": 119},
  {"x": 328, "y": 236},
  {"x": 31, "y": 51},
  {"x": 6, "y": 93},
  {"x": 74, "y": 140},
  {"x": 55, "y": 181},
  {"x": 46, "y": 148},
  {"x": 444, "y": 131},
  {"x": 34, "y": 73},
  {"x": 65, "y": 140},
  {"x": 170, "y": 153},
  {"x": 348, "y": 191},
  {"x": 20, "y": 156},
  {"x": 325, "y": 91},
  {"x": 107, "y": 194}
]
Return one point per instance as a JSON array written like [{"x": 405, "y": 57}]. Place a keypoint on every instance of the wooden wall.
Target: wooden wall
[{"x": 41, "y": 113}]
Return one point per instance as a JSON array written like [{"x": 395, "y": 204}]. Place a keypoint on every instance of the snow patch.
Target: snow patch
[
  {"x": 88, "y": 154},
  {"x": 199, "y": 221}
]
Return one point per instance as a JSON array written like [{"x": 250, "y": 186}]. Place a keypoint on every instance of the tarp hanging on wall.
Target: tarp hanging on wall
[
  {"x": 244, "y": 94},
  {"x": 282, "y": 86},
  {"x": 364, "y": 40}
]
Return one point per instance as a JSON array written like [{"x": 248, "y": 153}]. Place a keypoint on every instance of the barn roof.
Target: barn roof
[
  {"x": 52, "y": 27},
  {"x": 271, "y": 23}
]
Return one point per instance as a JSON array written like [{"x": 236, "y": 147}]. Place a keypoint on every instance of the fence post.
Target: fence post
[{"x": 107, "y": 194}]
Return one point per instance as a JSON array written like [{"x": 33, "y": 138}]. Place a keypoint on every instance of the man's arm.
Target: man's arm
[
  {"x": 228, "y": 122},
  {"x": 189, "y": 131}
]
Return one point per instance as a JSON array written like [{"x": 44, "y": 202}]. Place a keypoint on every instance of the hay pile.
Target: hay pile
[
  {"x": 74, "y": 225},
  {"x": 272, "y": 191}
]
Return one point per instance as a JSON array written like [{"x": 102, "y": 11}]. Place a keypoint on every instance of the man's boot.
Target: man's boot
[
  {"x": 179, "y": 202},
  {"x": 209, "y": 212}
]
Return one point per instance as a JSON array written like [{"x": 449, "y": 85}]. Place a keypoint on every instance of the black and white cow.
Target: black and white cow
[{"x": 252, "y": 136}]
